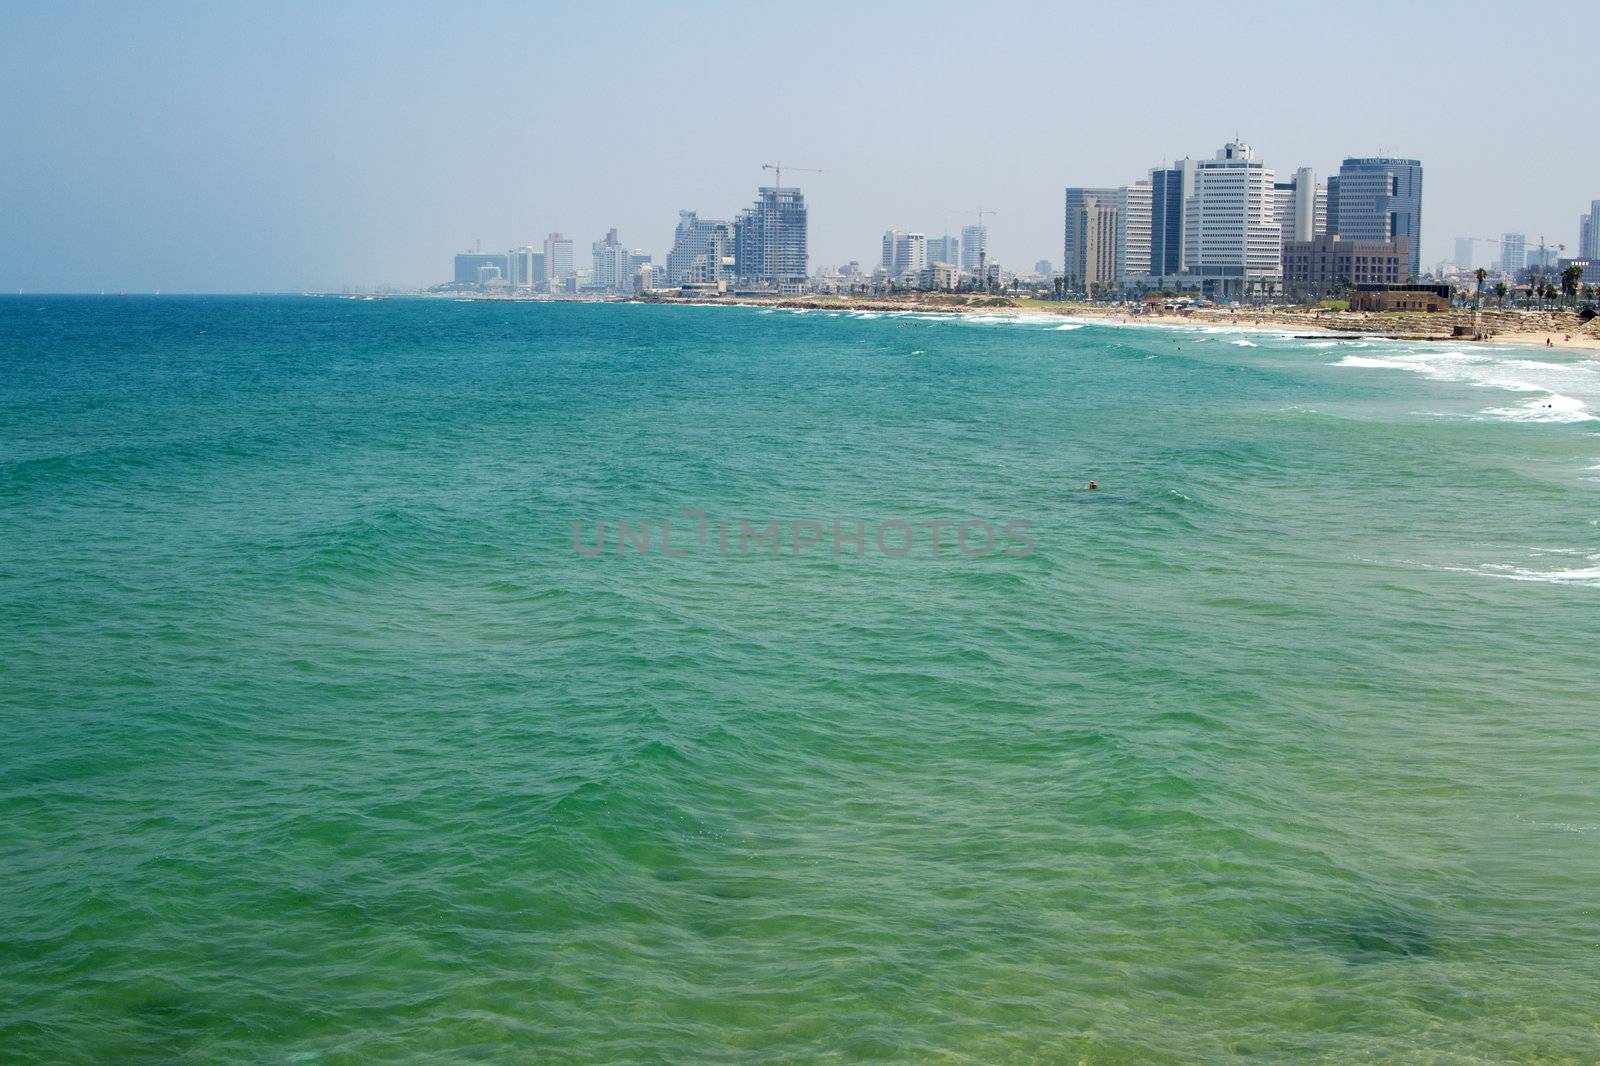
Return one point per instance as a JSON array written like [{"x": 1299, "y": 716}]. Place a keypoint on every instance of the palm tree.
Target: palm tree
[
  {"x": 1500, "y": 293},
  {"x": 1480, "y": 274},
  {"x": 1570, "y": 279}
]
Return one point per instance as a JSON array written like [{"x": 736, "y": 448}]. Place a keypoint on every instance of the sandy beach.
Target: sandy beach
[{"x": 1560, "y": 328}]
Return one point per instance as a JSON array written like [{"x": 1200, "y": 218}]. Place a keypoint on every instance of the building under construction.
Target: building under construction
[{"x": 769, "y": 241}]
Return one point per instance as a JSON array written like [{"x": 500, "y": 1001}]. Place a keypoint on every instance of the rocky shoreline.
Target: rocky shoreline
[{"x": 1561, "y": 328}]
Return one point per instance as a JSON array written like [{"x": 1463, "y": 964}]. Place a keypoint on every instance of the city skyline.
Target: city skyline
[{"x": 364, "y": 146}]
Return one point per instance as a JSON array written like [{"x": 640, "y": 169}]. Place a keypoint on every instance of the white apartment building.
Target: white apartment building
[
  {"x": 904, "y": 253},
  {"x": 557, "y": 259},
  {"x": 1133, "y": 230}
]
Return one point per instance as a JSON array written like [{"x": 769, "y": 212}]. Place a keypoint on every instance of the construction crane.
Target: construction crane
[
  {"x": 1501, "y": 241},
  {"x": 777, "y": 216},
  {"x": 983, "y": 247}
]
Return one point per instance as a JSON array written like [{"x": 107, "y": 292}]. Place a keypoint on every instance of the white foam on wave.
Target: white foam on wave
[
  {"x": 1069, "y": 325},
  {"x": 1245, "y": 344},
  {"x": 992, "y": 320},
  {"x": 1584, "y": 575},
  {"x": 1552, "y": 407},
  {"x": 1588, "y": 576},
  {"x": 1564, "y": 390}
]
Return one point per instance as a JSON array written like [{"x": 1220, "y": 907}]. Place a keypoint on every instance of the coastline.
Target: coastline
[{"x": 1530, "y": 329}]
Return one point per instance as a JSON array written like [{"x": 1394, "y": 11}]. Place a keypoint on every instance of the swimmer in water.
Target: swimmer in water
[{"x": 1093, "y": 486}]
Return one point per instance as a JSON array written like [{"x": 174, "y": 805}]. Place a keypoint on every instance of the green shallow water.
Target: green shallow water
[{"x": 324, "y": 745}]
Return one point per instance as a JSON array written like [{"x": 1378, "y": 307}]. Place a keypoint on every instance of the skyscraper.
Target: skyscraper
[
  {"x": 1072, "y": 261},
  {"x": 524, "y": 260},
  {"x": 1302, "y": 206},
  {"x": 1133, "y": 230},
  {"x": 946, "y": 249},
  {"x": 557, "y": 259},
  {"x": 974, "y": 239},
  {"x": 1464, "y": 253},
  {"x": 904, "y": 253},
  {"x": 1380, "y": 198},
  {"x": 1589, "y": 247},
  {"x": 612, "y": 271},
  {"x": 770, "y": 240},
  {"x": 1232, "y": 242},
  {"x": 1170, "y": 188},
  {"x": 1513, "y": 252},
  {"x": 702, "y": 250},
  {"x": 1094, "y": 241}
]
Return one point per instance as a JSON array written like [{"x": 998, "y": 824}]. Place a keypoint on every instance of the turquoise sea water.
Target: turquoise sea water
[{"x": 322, "y": 744}]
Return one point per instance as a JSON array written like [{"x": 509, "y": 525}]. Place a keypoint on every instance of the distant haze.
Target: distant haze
[{"x": 221, "y": 148}]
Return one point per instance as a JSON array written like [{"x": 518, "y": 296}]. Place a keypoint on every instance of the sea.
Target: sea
[{"x": 422, "y": 680}]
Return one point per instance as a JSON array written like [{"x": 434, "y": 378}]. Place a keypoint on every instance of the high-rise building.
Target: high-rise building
[
  {"x": 557, "y": 260},
  {"x": 1380, "y": 198},
  {"x": 904, "y": 253},
  {"x": 1133, "y": 230},
  {"x": 1170, "y": 189},
  {"x": 702, "y": 250},
  {"x": 1589, "y": 244},
  {"x": 612, "y": 271},
  {"x": 974, "y": 241},
  {"x": 1094, "y": 241},
  {"x": 1464, "y": 253},
  {"x": 945, "y": 249},
  {"x": 769, "y": 244},
  {"x": 1513, "y": 253},
  {"x": 1043, "y": 267},
  {"x": 1072, "y": 261},
  {"x": 524, "y": 262},
  {"x": 1302, "y": 206},
  {"x": 467, "y": 264},
  {"x": 1232, "y": 243}
]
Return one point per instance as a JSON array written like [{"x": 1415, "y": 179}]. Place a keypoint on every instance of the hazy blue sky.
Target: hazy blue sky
[{"x": 284, "y": 146}]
